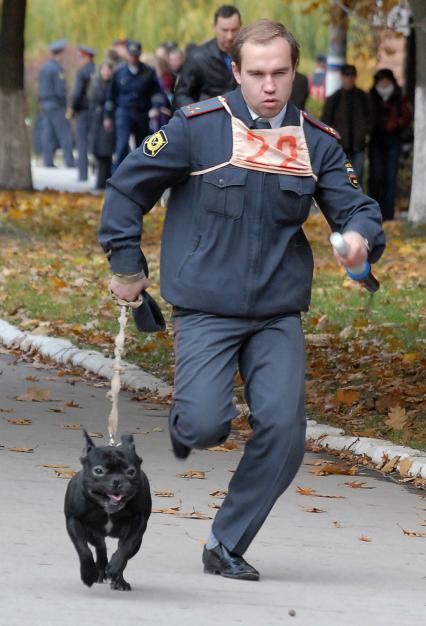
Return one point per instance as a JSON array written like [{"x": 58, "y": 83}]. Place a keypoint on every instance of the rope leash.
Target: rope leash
[{"x": 117, "y": 368}]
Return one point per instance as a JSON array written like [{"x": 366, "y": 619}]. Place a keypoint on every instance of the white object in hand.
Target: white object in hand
[{"x": 342, "y": 248}]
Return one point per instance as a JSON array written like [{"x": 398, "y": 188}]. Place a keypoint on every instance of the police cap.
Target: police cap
[
  {"x": 134, "y": 47},
  {"x": 87, "y": 50},
  {"x": 58, "y": 45}
]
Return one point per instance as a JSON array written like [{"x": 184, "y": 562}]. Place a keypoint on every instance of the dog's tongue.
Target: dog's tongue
[{"x": 115, "y": 496}]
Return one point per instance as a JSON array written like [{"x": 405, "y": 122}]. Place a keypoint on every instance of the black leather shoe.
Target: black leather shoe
[
  {"x": 220, "y": 561},
  {"x": 181, "y": 451}
]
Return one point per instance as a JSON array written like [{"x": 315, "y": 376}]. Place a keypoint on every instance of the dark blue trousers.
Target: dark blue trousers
[
  {"x": 127, "y": 123},
  {"x": 384, "y": 163},
  {"x": 82, "y": 124},
  {"x": 56, "y": 132},
  {"x": 270, "y": 356}
]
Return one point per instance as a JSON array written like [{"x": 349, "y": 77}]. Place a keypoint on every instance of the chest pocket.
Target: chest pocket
[
  {"x": 223, "y": 191},
  {"x": 295, "y": 198}
]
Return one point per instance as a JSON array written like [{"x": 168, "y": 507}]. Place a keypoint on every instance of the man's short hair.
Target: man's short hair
[
  {"x": 348, "y": 70},
  {"x": 262, "y": 32},
  {"x": 225, "y": 11}
]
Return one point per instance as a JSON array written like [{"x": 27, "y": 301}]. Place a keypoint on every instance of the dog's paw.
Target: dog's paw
[
  {"x": 118, "y": 583},
  {"x": 101, "y": 575},
  {"x": 88, "y": 572}
]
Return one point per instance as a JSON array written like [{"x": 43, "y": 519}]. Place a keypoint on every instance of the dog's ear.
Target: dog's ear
[
  {"x": 128, "y": 442},
  {"x": 88, "y": 443}
]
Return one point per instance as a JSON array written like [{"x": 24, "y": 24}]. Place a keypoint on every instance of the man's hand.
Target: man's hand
[
  {"x": 128, "y": 291},
  {"x": 357, "y": 250},
  {"x": 108, "y": 125}
]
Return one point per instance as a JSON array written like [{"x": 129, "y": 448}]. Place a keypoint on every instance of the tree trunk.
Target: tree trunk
[
  {"x": 417, "y": 209},
  {"x": 336, "y": 56},
  {"x": 15, "y": 154}
]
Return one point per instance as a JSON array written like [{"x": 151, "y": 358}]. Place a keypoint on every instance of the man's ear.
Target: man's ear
[{"x": 236, "y": 72}]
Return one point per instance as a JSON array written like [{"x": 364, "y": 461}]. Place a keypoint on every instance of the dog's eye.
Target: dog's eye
[
  {"x": 98, "y": 470},
  {"x": 131, "y": 472}
]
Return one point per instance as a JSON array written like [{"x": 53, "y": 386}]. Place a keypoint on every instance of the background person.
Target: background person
[
  {"x": 80, "y": 107},
  {"x": 56, "y": 130},
  {"x": 129, "y": 101},
  {"x": 391, "y": 116},
  {"x": 348, "y": 111},
  {"x": 102, "y": 141},
  {"x": 237, "y": 268},
  {"x": 207, "y": 71}
]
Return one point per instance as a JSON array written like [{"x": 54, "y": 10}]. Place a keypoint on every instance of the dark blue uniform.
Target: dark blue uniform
[
  {"x": 53, "y": 104},
  {"x": 80, "y": 106},
  {"x": 237, "y": 267},
  {"x": 128, "y": 103}
]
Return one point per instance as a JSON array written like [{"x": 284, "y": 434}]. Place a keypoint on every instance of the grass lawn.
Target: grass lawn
[{"x": 366, "y": 356}]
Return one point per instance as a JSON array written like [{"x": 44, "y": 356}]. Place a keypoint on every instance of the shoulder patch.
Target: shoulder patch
[
  {"x": 154, "y": 143},
  {"x": 199, "y": 108},
  {"x": 327, "y": 129}
]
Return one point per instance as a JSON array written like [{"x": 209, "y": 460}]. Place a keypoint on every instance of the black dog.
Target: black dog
[{"x": 109, "y": 496}]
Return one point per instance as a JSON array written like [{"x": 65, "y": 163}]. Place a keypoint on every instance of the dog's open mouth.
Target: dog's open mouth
[{"x": 113, "y": 499}]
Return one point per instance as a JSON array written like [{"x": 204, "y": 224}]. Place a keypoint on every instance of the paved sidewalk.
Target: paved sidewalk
[
  {"x": 60, "y": 179},
  {"x": 308, "y": 564}
]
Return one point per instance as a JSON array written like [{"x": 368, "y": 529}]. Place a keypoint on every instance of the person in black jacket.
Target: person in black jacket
[
  {"x": 207, "y": 71},
  {"x": 102, "y": 141},
  {"x": 80, "y": 107},
  {"x": 348, "y": 111}
]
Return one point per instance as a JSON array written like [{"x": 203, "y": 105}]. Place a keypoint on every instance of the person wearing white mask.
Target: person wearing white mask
[{"x": 391, "y": 116}]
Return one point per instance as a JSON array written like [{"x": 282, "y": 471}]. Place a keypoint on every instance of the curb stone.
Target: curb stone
[{"x": 134, "y": 378}]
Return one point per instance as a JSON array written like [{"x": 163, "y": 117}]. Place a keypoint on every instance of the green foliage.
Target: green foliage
[{"x": 99, "y": 22}]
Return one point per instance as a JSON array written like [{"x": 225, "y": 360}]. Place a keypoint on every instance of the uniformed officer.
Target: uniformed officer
[
  {"x": 80, "y": 106},
  {"x": 53, "y": 104},
  {"x": 237, "y": 267},
  {"x": 129, "y": 101}
]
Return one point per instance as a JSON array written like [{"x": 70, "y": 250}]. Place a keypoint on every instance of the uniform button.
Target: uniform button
[{"x": 221, "y": 182}]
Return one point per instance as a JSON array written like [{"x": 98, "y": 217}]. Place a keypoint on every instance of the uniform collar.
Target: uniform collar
[{"x": 239, "y": 109}]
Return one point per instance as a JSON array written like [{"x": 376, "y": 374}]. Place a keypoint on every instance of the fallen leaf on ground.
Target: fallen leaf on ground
[
  {"x": 20, "y": 421},
  {"x": 65, "y": 473},
  {"x": 194, "y": 515},
  {"x": 365, "y": 538},
  {"x": 6, "y": 410},
  {"x": 157, "y": 429},
  {"x": 21, "y": 450},
  {"x": 228, "y": 446},
  {"x": 405, "y": 465},
  {"x": 313, "y": 509},
  {"x": 219, "y": 494},
  {"x": 34, "y": 394},
  {"x": 337, "y": 525},
  {"x": 412, "y": 533},
  {"x": 96, "y": 435},
  {"x": 357, "y": 485},
  {"x": 73, "y": 404},
  {"x": 390, "y": 465},
  {"x": 72, "y": 426},
  {"x": 308, "y": 491},
  {"x": 33, "y": 379},
  {"x": 193, "y": 474},
  {"x": 312, "y": 462},
  {"x": 397, "y": 418},
  {"x": 164, "y": 494},
  {"x": 168, "y": 511},
  {"x": 56, "y": 410},
  {"x": 347, "y": 395},
  {"x": 215, "y": 505},
  {"x": 334, "y": 468}
]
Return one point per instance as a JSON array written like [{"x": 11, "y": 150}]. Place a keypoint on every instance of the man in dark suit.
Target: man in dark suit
[{"x": 207, "y": 71}]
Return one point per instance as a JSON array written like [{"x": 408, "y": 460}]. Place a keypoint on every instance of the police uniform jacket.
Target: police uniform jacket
[
  {"x": 80, "y": 100},
  {"x": 52, "y": 86},
  {"x": 204, "y": 74},
  {"x": 233, "y": 242},
  {"x": 132, "y": 92}
]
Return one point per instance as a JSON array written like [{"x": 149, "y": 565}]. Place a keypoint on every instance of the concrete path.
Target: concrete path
[
  {"x": 60, "y": 179},
  {"x": 313, "y": 564}
]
